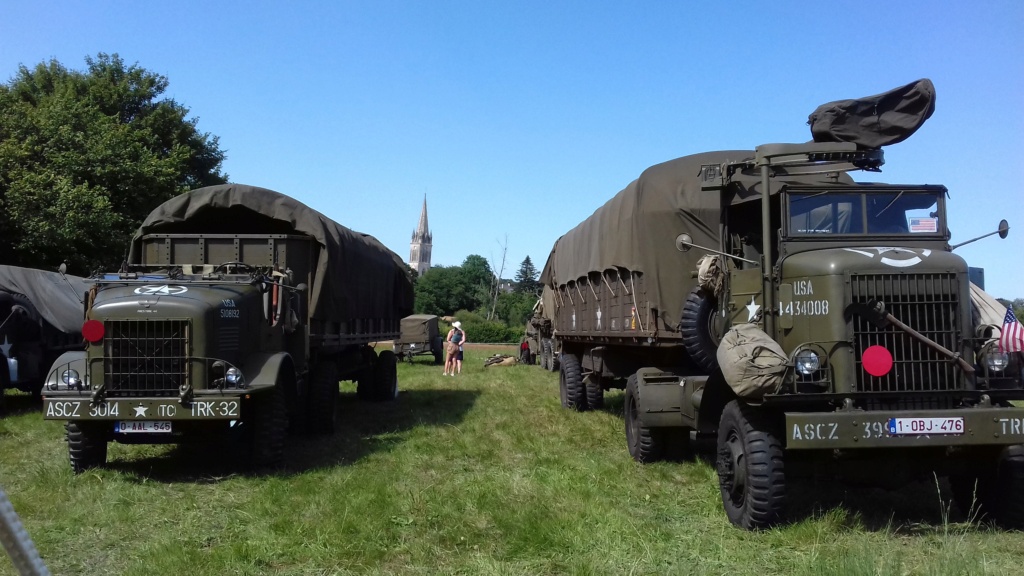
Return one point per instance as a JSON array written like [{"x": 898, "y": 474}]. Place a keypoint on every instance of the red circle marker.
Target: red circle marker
[
  {"x": 877, "y": 360},
  {"x": 92, "y": 330}
]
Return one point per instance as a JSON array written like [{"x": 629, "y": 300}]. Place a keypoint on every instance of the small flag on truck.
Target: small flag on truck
[{"x": 1012, "y": 337}]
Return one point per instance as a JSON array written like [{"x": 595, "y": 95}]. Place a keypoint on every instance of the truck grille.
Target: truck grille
[
  {"x": 927, "y": 303},
  {"x": 145, "y": 358}
]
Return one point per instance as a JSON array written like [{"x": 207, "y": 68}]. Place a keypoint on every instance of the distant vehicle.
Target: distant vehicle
[
  {"x": 420, "y": 336},
  {"x": 41, "y": 316},
  {"x": 238, "y": 307},
  {"x": 538, "y": 344},
  {"x": 799, "y": 319}
]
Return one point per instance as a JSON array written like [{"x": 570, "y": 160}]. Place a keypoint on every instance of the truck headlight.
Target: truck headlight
[
  {"x": 996, "y": 361},
  {"x": 234, "y": 378},
  {"x": 807, "y": 362},
  {"x": 71, "y": 379}
]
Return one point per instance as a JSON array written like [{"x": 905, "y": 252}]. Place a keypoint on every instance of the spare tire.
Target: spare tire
[{"x": 697, "y": 326}]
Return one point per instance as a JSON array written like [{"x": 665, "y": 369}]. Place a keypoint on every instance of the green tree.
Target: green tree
[
  {"x": 85, "y": 156},
  {"x": 526, "y": 278},
  {"x": 516, "y": 307},
  {"x": 444, "y": 289}
]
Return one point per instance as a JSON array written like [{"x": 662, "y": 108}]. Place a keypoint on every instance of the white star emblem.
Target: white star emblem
[
  {"x": 752, "y": 309},
  {"x": 6, "y": 347},
  {"x": 140, "y": 410}
]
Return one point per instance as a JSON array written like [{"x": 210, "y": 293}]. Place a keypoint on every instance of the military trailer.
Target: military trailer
[
  {"x": 763, "y": 301},
  {"x": 238, "y": 309},
  {"x": 419, "y": 336},
  {"x": 41, "y": 317}
]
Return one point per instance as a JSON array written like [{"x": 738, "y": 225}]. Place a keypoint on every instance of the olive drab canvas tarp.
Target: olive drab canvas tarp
[
  {"x": 57, "y": 300},
  {"x": 752, "y": 363},
  {"x": 875, "y": 121},
  {"x": 356, "y": 276},
  {"x": 419, "y": 328},
  {"x": 637, "y": 228}
]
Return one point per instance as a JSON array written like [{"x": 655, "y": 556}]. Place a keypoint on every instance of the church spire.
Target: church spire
[{"x": 419, "y": 248}]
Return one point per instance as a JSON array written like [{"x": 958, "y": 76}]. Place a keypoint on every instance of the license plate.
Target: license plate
[
  {"x": 142, "y": 426},
  {"x": 922, "y": 426}
]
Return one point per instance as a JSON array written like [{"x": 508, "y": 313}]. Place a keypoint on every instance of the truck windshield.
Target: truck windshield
[{"x": 885, "y": 213}]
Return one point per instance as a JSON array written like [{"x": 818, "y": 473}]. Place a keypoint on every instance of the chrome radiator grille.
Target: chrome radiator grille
[
  {"x": 145, "y": 358},
  {"x": 927, "y": 303}
]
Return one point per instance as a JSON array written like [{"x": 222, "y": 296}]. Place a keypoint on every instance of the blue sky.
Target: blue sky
[{"x": 517, "y": 120}]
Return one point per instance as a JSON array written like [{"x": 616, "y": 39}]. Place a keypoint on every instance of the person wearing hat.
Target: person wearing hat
[{"x": 455, "y": 339}]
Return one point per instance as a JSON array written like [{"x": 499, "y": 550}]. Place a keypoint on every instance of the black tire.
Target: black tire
[
  {"x": 545, "y": 355},
  {"x": 437, "y": 349},
  {"x": 268, "y": 425},
  {"x": 645, "y": 444},
  {"x": 1002, "y": 493},
  {"x": 594, "y": 391},
  {"x": 751, "y": 473},
  {"x": 385, "y": 378},
  {"x": 366, "y": 378},
  {"x": 697, "y": 328},
  {"x": 323, "y": 397},
  {"x": 570, "y": 380},
  {"x": 554, "y": 362},
  {"x": 87, "y": 446}
]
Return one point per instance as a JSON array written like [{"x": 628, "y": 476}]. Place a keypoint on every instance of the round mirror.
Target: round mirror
[
  {"x": 683, "y": 242},
  {"x": 1004, "y": 228}
]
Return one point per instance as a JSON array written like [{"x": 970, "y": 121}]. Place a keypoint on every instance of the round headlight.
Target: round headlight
[
  {"x": 807, "y": 362},
  {"x": 71, "y": 378},
  {"x": 996, "y": 361},
  {"x": 233, "y": 377}
]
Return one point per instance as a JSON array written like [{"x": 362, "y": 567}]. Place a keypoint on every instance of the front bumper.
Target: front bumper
[
  {"x": 74, "y": 406},
  {"x": 988, "y": 426}
]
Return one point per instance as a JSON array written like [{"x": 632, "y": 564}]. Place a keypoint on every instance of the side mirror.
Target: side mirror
[
  {"x": 1004, "y": 228},
  {"x": 684, "y": 242}
]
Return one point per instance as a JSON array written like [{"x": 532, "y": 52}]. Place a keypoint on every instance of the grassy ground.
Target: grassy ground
[{"x": 482, "y": 473}]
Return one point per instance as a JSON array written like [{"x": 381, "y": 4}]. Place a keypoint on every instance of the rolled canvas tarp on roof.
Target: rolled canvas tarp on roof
[
  {"x": 875, "y": 121},
  {"x": 356, "y": 276}
]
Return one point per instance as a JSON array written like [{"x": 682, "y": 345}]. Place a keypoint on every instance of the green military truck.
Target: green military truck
[
  {"x": 764, "y": 301},
  {"x": 238, "y": 308},
  {"x": 538, "y": 338}
]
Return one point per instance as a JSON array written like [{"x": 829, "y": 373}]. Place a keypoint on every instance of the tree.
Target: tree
[
  {"x": 526, "y": 278},
  {"x": 85, "y": 156}
]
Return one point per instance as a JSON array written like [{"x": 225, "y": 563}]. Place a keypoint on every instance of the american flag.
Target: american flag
[
  {"x": 924, "y": 225},
  {"x": 1012, "y": 337}
]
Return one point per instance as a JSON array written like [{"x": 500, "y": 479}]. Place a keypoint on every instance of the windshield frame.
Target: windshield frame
[{"x": 872, "y": 199}]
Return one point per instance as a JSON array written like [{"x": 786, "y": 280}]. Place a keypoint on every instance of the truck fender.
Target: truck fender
[
  {"x": 74, "y": 360},
  {"x": 261, "y": 370}
]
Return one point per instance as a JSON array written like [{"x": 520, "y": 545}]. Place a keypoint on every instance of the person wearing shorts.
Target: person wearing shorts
[{"x": 453, "y": 343}]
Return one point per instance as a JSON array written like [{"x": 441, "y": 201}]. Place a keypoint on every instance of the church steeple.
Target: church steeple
[{"x": 419, "y": 249}]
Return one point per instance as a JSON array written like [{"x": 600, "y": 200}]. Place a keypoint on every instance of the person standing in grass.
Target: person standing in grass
[{"x": 455, "y": 339}]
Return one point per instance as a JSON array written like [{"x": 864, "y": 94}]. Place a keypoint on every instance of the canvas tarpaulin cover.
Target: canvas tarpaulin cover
[
  {"x": 875, "y": 121},
  {"x": 419, "y": 328},
  {"x": 636, "y": 229},
  {"x": 57, "y": 300},
  {"x": 356, "y": 276}
]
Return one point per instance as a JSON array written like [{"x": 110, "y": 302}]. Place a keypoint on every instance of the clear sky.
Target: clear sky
[{"x": 517, "y": 120}]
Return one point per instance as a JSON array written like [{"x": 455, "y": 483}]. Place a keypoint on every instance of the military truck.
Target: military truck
[
  {"x": 238, "y": 309},
  {"x": 41, "y": 315},
  {"x": 763, "y": 301},
  {"x": 419, "y": 336},
  {"x": 539, "y": 337}
]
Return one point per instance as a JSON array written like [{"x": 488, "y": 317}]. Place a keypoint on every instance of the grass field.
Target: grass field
[{"x": 482, "y": 473}]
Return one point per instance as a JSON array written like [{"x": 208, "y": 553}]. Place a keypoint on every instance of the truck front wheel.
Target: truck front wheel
[
  {"x": 751, "y": 475},
  {"x": 645, "y": 444},
  {"x": 269, "y": 426},
  {"x": 570, "y": 381},
  {"x": 997, "y": 492},
  {"x": 323, "y": 397},
  {"x": 87, "y": 446}
]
